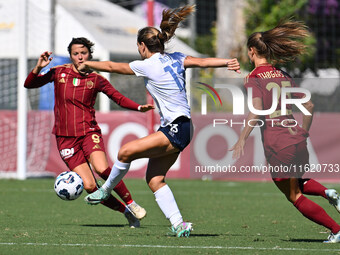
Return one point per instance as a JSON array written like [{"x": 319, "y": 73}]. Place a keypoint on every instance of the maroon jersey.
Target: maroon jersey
[
  {"x": 275, "y": 136},
  {"x": 75, "y": 96}
]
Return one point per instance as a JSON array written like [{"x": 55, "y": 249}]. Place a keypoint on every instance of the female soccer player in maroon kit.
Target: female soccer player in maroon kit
[
  {"x": 78, "y": 135},
  {"x": 284, "y": 144}
]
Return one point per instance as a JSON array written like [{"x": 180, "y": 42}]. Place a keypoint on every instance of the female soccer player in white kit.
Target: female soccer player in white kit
[{"x": 164, "y": 76}]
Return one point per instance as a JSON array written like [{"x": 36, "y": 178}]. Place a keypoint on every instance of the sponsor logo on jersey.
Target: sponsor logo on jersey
[
  {"x": 62, "y": 80},
  {"x": 63, "y": 75},
  {"x": 89, "y": 84},
  {"x": 97, "y": 146},
  {"x": 66, "y": 153},
  {"x": 76, "y": 82}
]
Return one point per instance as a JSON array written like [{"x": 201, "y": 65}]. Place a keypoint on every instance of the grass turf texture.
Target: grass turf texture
[{"x": 228, "y": 217}]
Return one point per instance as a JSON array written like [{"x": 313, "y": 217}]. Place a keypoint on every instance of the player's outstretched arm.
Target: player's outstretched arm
[
  {"x": 34, "y": 80},
  {"x": 106, "y": 66},
  {"x": 231, "y": 64}
]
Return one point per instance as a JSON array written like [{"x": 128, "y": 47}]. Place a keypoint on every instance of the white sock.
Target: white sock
[
  {"x": 118, "y": 171},
  {"x": 166, "y": 201}
]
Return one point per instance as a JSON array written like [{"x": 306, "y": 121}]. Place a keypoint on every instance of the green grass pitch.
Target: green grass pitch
[{"x": 228, "y": 217}]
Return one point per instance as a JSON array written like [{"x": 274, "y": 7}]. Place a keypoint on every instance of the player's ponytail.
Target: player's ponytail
[
  {"x": 155, "y": 39},
  {"x": 170, "y": 20},
  {"x": 282, "y": 43}
]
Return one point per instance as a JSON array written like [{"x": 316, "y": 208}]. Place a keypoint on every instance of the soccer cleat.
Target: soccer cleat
[
  {"x": 333, "y": 238},
  {"x": 133, "y": 221},
  {"x": 136, "y": 210},
  {"x": 183, "y": 229},
  {"x": 96, "y": 197},
  {"x": 333, "y": 198}
]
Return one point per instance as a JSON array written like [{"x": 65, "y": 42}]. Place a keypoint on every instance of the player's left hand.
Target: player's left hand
[
  {"x": 146, "y": 107},
  {"x": 233, "y": 65}
]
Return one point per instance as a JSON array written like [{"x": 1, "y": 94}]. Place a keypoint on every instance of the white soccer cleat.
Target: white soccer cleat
[
  {"x": 133, "y": 221},
  {"x": 333, "y": 198},
  {"x": 136, "y": 210},
  {"x": 333, "y": 238}
]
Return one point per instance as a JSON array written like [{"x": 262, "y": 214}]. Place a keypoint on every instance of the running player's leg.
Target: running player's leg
[
  {"x": 155, "y": 177},
  {"x": 311, "y": 186},
  {"x": 100, "y": 157},
  {"x": 100, "y": 164},
  {"x": 90, "y": 186},
  {"x": 76, "y": 161},
  {"x": 156, "y": 144},
  {"x": 307, "y": 186},
  {"x": 94, "y": 151},
  {"x": 309, "y": 209},
  {"x": 290, "y": 188},
  {"x": 112, "y": 203}
]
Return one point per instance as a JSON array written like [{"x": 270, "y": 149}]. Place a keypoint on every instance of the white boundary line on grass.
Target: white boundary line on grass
[{"x": 173, "y": 247}]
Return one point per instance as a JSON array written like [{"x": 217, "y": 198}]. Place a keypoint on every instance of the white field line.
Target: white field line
[
  {"x": 170, "y": 246},
  {"x": 146, "y": 192}
]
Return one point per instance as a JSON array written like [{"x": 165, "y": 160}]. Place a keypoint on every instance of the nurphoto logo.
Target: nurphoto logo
[{"x": 282, "y": 93}]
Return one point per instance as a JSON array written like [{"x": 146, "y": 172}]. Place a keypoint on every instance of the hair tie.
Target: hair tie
[{"x": 261, "y": 36}]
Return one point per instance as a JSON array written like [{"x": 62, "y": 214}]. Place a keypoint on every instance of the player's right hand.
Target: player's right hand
[
  {"x": 233, "y": 65},
  {"x": 43, "y": 61}
]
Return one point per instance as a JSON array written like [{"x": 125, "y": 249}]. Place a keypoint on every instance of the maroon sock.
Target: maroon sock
[
  {"x": 123, "y": 192},
  {"x": 315, "y": 213},
  {"x": 105, "y": 174},
  {"x": 112, "y": 203},
  {"x": 312, "y": 187}
]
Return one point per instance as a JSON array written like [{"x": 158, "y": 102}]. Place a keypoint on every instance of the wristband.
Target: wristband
[{"x": 139, "y": 107}]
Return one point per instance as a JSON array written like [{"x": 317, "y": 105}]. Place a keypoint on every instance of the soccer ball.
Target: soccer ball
[{"x": 68, "y": 185}]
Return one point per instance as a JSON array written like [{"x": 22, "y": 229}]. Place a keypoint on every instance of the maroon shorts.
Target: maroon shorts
[
  {"x": 289, "y": 162},
  {"x": 75, "y": 151}
]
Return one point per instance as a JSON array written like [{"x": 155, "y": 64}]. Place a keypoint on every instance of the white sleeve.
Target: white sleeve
[{"x": 138, "y": 67}]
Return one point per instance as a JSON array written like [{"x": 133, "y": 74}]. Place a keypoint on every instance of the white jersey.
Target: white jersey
[{"x": 164, "y": 77}]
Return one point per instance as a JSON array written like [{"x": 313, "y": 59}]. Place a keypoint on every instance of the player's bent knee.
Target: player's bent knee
[
  {"x": 155, "y": 182},
  {"x": 125, "y": 154},
  {"x": 90, "y": 187},
  {"x": 100, "y": 170}
]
